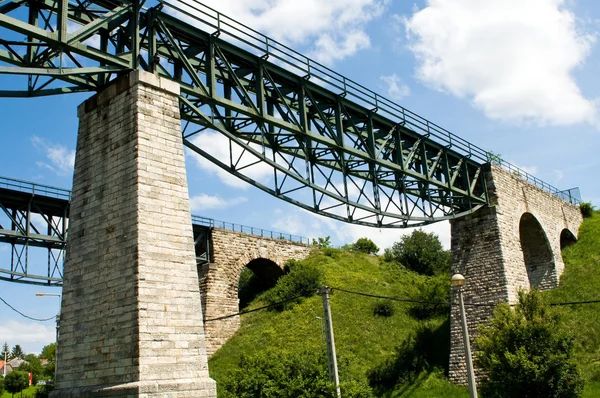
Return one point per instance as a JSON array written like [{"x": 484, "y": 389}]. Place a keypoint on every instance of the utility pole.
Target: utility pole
[
  {"x": 458, "y": 281},
  {"x": 331, "y": 356}
]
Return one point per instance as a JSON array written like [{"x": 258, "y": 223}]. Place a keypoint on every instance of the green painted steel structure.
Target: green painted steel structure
[
  {"x": 333, "y": 147},
  {"x": 34, "y": 220}
]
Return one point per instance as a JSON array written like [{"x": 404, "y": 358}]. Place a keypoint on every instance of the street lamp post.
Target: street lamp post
[
  {"x": 458, "y": 281},
  {"x": 57, "y": 320}
]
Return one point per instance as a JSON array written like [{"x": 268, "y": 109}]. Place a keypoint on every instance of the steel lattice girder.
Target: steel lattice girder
[
  {"x": 34, "y": 222},
  {"x": 328, "y": 154}
]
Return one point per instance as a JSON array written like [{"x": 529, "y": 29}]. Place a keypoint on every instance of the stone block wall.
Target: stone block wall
[
  {"x": 512, "y": 244},
  {"x": 131, "y": 322},
  {"x": 232, "y": 252}
]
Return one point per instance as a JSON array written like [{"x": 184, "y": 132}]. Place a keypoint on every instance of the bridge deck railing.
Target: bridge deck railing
[
  {"x": 265, "y": 233},
  {"x": 32, "y": 188},
  {"x": 237, "y": 33}
]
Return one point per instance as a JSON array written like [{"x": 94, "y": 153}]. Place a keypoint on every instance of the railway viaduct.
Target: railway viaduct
[
  {"x": 131, "y": 240},
  {"x": 132, "y": 319}
]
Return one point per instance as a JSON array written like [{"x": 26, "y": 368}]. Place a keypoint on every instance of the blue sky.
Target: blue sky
[{"x": 516, "y": 77}]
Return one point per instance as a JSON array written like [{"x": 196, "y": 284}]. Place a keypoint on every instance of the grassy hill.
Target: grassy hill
[
  {"x": 366, "y": 341},
  {"x": 581, "y": 282}
]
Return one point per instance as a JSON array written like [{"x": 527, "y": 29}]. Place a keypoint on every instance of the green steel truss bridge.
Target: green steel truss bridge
[
  {"x": 34, "y": 223},
  {"x": 334, "y": 147}
]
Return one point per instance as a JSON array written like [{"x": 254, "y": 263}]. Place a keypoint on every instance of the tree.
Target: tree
[
  {"x": 16, "y": 381},
  {"x": 365, "y": 245},
  {"x": 49, "y": 353},
  {"x": 5, "y": 350},
  {"x": 524, "y": 353},
  {"x": 1, "y": 383},
  {"x": 322, "y": 243},
  {"x": 422, "y": 252},
  {"x": 17, "y": 352},
  {"x": 33, "y": 366}
]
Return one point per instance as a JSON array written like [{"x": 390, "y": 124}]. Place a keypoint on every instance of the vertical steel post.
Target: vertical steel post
[
  {"x": 467, "y": 343},
  {"x": 56, "y": 347},
  {"x": 331, "y": 356}
]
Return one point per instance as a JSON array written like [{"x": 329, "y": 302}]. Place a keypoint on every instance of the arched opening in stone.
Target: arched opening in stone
[
  {"x": 259, "y": 275},
  {"x": 537, "y": 253},
  {"x": 566, "y": 238}
]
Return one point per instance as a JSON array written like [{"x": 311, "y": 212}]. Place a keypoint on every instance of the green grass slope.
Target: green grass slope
[
  {"x": 363, "y": 340},
  {"x": 581, "y": 282}
]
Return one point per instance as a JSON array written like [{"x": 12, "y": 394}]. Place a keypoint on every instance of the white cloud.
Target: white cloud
[
  {"x": 336, "y": 27},
  {"x": 205, "y": 202},
  {"x": 32, "y": 336},
  {"x": 396, "y": 90},
  {"x": 217, "y": 145},
  {"x": 512, "y": 58},
  {"x": 61, "y": 159}
]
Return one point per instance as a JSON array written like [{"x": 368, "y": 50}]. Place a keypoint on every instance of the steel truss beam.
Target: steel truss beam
[
  {"x": 34, "y": 220},
  {"x": 330, "y": 154}
]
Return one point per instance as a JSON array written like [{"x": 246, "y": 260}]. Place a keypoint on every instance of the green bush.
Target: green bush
[
  {"x": 365, "y": 245},
  {"x": 423, "y": 253},
  {"x": 1, "y": 385},
  {"x": 285, "y": 375},
  {"x": 44, "y": 391},
  {"x": 388, "y": 255},
  {"x": 384, "y": 308},
  {"x": 16, "y": 381},
  {"x": 427, "y": 350},
  {"x": 301, "y": 280},
  {"x": 432, "y": 290},
  {"x": 587, "y": 210},
  {"x": 524, "y": 353}
]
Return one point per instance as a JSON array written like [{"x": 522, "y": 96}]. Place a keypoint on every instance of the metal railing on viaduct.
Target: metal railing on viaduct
[{"x": 35, "y": 217}]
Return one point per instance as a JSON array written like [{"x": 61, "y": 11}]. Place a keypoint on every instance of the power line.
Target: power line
[
  {"x": 253, "y": 310},
  {"x": 407, "y": 300},
  {"x": 26, "y": 316}
]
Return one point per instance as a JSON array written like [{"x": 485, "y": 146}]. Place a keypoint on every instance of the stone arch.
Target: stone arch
[
  {"x": 567, "y": 238},
  {"x": 264, "y": 275},
  {"x": 537, "y": 253}
]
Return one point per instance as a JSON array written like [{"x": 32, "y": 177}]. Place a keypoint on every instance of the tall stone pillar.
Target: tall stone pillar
[
  {"x": 512, "y": 244},
  {"x": 131, "y": 321}
]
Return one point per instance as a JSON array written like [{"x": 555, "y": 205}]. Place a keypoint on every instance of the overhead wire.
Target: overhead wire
[
  {"x": 26, "y": 316},
  {"x": 407, "y": 300},
  {"x": 253, "y": 310}
]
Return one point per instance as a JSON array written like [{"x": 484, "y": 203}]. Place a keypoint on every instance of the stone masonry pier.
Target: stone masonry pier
[
  {"x": 233, "y": 251},
  {"x": 514, "y": 243},
  {"x": 131, "y": 321}
]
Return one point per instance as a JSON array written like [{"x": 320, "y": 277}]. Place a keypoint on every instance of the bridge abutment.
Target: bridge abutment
[
  {"x": 514, "y": 243},
  {"x": 131, "y": 322}
]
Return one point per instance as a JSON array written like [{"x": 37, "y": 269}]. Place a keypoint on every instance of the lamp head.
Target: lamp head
[{"x": 457, "y": 280}]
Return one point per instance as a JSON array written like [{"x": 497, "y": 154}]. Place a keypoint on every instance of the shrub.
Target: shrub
[
  {"x": 301, "y": 280},
  {"x": 587, "y": 210},
  {"x": 1, "y": 385},
  {"x": 388, "y": 255},
  {"x": 16, "y": 381},
  {"x": 289, "y": 375},
  {"x": 365, "y": 245},
  {"x": 44, "y": 391},
  {"x": 432, "y": 290},
  {"x": 423, "y": 253},
  {"x": 384, "y": 308},
  {"x": 524, "y": 353},
  {"x": 427, "y": 349}
]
